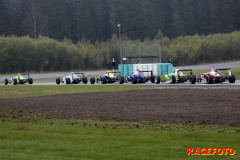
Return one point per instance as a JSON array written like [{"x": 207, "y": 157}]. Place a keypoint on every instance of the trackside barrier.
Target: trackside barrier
[{"x": 157, "y": 68}]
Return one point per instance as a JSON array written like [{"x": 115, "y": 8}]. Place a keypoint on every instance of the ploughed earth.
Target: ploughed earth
[{"x": 211, "y": 106}]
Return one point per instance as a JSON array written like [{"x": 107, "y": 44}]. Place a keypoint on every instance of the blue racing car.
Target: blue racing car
[{"x": 139, "y": 77}]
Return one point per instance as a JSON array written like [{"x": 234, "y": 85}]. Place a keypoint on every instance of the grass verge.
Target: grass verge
[
  {"x": 20, "y": 91},
  {"x": 24, "y": 138}
]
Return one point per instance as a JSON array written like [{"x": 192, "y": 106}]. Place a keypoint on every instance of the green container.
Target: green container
[
  {"x": 130, "y": 69},
  {"x": 160, "y": 72},
  {"x": 121, "y": 69}
]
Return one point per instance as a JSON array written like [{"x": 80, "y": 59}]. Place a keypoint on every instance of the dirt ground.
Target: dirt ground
[{"x": 211, "y": 106}]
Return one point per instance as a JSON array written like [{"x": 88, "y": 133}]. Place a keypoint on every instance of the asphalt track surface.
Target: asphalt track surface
[{"x": 186, "y": 85}]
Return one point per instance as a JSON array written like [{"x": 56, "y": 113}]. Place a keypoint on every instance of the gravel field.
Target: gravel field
[{"x": 202, "y": 106}]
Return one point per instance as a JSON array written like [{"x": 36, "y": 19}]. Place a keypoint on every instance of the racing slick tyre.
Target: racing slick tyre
[
  {"x": 120, "y": 80},
  {"x": 172, "y": 79},
  {"x": 5, "y": 81},
  {"x": 85, "y": 80},
  {"x": 92, "y": 80},
  {"x": 232, "y": 79},
  {"x": 209, "y": 79},
  {"x": 153, "y": 79},
  {"x": 104, "y": 80},
  {"x": 68, "y": 81},
  {"x": 58, "y": 80},
  {"x": 193, "y": 79},
  {"x": 30, "y": 81},
  {"x": 134, "y": 80},
  {"x": 14, "y": 81},
  {"x": 157, "y": 79}
]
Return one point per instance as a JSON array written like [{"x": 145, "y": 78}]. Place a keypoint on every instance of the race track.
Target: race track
[{"x": 225, "y": 85}]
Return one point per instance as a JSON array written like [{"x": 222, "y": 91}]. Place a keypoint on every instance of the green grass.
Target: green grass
[
  {"x": 101, "y": 140},
  {"x": 30, "y": 136},
  {"x": 20, "y": 91}
]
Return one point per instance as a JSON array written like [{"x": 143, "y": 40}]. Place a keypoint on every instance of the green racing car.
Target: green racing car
[
  {"x": 19, "y": 79},
  {"x": 178, "y": 76}
]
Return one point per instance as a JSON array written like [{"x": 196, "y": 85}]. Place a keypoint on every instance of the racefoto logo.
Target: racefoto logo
[{"x": 210, "y": 151}]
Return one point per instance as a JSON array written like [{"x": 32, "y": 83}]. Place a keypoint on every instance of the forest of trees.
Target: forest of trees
[
  {"x": 60, "y": 35},
  {"x": 22, "y": 54},
  {"x": 97, "y": 19}
]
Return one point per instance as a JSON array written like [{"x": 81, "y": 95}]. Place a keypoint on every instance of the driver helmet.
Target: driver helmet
[
  {"x": 177, "y": 70},
  {"x": 138, "y": 71},
  {"x": 72, "y": 74}
]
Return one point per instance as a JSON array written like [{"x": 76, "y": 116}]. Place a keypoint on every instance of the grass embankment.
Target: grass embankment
[
  {"x": 20, "y": 91},
  {"x": 85, "y": 139}
]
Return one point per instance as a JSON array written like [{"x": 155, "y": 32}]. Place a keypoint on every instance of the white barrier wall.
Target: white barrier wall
[{"x": 156, "y": 68}]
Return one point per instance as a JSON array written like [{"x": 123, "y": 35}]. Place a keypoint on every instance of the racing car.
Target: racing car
[
  {"x": 139, "y": 77},
  {"x": 178, "y": 76},
  {"x": 215, "y": 76},
  {"x": 109, "y": 77},
  {"x": 19, "y": 79},
  {"x": 73, "y": 78}
]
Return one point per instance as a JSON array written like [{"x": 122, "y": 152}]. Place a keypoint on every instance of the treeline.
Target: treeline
[
  {"x": 98, "y": 19},
  {"x": 24, "y": 54},
  {"x": 21, "y": 54},
  {"x": 191, "y": 50}
]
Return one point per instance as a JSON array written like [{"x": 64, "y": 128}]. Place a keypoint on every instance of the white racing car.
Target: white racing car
[{"x": 72, "y": 78}]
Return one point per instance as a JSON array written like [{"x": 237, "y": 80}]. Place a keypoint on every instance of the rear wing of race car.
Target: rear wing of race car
[
  {"x": 115, "y": 72},
  {"x": 148, "y": 71},
  {"x": 225, "y": 69},
  {"x": 186, "y": 70},
  {"x": 26, "y": 74},
  {"x": 79, "y": 73}
]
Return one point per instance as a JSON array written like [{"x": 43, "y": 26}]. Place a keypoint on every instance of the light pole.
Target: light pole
[{"x": 119, "y": 25}]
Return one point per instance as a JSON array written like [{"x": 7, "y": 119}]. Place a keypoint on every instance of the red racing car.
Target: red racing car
[{"x": 215, "y": 76}]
